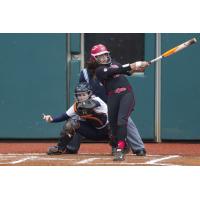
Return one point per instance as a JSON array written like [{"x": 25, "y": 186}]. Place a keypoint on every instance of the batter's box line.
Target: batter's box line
[
  {"x": 36, "y": 158},
  {"x": 121, "y": 163},
  {"x": 155, "y": 161},
  {"x": 89, "y": 160}
]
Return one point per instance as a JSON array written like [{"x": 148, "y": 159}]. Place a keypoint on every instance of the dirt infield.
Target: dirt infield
[
  {"x": 95, "y": 160},
  {"x": 33, "y": 153},
  {"x": 36, "y": 146}
]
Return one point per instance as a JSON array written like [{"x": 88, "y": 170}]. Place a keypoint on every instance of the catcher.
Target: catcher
[{"x": 87, "y": 117}]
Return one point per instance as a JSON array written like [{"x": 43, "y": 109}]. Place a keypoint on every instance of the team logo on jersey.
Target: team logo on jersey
[
  {"x": 114, "y": 66},
  {"x": 105, "y": 69}
]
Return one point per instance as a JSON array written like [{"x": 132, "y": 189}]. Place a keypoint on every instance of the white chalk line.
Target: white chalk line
[
  {"x": 19, "y": 161},
  {"x": 154, "y": 161},
  {"x": 134, "y": 164},
  {"x": 88, "y": 160},
  {"x": 151, "y": 162},
  {"x": 22, "y": 160},
  {"x": 36, "y": 158}
]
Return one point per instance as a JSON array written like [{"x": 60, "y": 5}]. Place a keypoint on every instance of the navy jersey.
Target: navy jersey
[{"x": 113, "y": 76}]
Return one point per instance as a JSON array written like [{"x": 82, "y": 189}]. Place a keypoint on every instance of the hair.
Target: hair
[{"x": 92, "y": 66}]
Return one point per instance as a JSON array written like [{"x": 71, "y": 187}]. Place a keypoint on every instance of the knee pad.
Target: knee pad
[
  {"x": 74, "y": 144},
  {"x": 69, "y": 128}
]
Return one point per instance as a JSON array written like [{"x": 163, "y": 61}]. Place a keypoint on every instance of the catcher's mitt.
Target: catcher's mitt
[
  {"x": 69, "y": 129},
  {"x": 86, "y": 107}
]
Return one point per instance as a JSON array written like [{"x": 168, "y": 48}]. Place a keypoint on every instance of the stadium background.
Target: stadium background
[{"x": 38, "y": 73}]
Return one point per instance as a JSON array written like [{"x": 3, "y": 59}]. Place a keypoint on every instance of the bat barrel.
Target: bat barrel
[{"x": 175, "y": 50}]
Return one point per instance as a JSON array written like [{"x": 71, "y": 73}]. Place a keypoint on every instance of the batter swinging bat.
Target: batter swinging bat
[{"x": 175, "y": 50}]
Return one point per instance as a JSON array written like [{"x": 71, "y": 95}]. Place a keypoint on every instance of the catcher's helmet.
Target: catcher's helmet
[
  {"x": 98, "y": 50},
  {"x": 83, "y": 88}
]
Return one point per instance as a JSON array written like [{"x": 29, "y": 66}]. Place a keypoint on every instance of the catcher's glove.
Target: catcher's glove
[
  {"x": 86, "y": 107},
  {"x": 69, "y": 129}
]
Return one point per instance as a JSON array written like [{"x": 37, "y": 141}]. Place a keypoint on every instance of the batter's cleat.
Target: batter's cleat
[
  {"x": 140, "y": 152},
  {"x": 114, "y": 150},
  {"x": 126, "y": 150},
  {"x": 119, "y": 155},
  {"x": 55, "y": 150}
]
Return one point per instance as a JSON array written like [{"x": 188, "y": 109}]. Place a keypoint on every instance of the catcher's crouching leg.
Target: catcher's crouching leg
[{"x": 74, "y": 144}]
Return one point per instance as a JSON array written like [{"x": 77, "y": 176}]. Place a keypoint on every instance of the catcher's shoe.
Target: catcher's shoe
[
  {"x": 119, "y": 155},
  {"x": 55, "y": 150}
]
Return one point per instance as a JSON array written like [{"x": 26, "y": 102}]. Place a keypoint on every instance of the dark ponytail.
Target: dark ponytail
[{"x": 92, "y": 66}]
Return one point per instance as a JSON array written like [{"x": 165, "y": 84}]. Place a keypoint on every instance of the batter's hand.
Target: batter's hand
[
  {"x": 139, "y": 66},
  {"x": 47, "y": 118}
]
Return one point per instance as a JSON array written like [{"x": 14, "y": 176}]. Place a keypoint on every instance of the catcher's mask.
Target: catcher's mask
[{"x": 83, "y": 92}]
